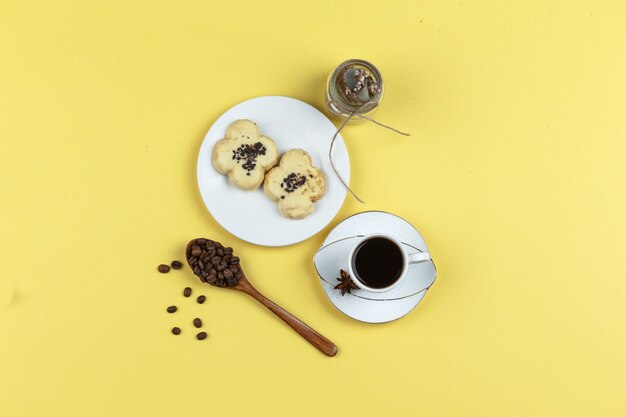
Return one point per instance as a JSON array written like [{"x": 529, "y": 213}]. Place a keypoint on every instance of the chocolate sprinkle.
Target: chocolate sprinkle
[
  {"x": 249, "y": 153},
  {"x": 292, "y": 182}
]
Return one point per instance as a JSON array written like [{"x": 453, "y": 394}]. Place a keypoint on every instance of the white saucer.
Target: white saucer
[
  {"x": 364, "y": 305},
  {"x": 252, "y": 216}
]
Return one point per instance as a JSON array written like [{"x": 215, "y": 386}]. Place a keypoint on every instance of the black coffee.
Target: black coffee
[{"x": 378, "y": 262}]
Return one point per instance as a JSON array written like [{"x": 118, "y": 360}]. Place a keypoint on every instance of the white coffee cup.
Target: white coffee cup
[{"x": 407, "y": 259}]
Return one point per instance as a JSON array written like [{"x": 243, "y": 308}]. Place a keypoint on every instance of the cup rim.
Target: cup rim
[{"x": 353, "y": 274}]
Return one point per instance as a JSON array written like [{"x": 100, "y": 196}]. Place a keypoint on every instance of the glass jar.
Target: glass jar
[{"x": 339, "y": 105}]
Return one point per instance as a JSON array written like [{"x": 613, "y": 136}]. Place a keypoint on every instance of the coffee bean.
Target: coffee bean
[
  {"x": 228, "y": 251},
  {"x": 177, "y": 264},
  {"x": 232, "y": 282},
  {"x": 172, "y": 309},
  {"x": 201, "y": 264},
  {"x": 211, "y": 279},
  {"x": 220, "y": 267},
  {"x": 164, "y": 269},
  {"x": 196, "y": 251},
  {"x": 216, "y": 260},
  {"x": 234, "y": 260},
  {"x": 228, "y": 274},
  {"x": 197, "y": 322},
  {"x": 201, "y": 241},
  {"x": 220, "y": 275},
  {"x": 201, "y": 299},
  {"x": 201, "y": 336},
  {"x": 176, "y": 330},
  {"x": 219, "y": 252},
  {"x": 205, "y": 274},
  {"x": 193, "y": 262},
  {"x": 187, "y": 292},
  {"x": 213, "y": 271},
  {"x": 196, "y": 270},
  {"x": 234, "y": 268}
]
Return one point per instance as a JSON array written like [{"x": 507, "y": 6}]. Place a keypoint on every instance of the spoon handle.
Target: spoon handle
[{"x": 326, "y": 346}]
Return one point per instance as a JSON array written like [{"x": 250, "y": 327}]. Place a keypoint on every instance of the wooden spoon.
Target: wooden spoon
[{"x": 243, "y": 285}]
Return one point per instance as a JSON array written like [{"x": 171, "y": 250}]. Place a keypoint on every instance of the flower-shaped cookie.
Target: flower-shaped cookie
[
  {"x": 295, "y": 183},
  {"x": 244, "y": 155}
]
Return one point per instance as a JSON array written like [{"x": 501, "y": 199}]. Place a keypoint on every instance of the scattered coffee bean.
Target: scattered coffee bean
[
  {"x": 197, "y": 322},
  {"x": 177, "y": 264},
  {"x": 164, "y": 269},
  {"x": 201, "y": 299},
  {"x": 176, "y": 330},
  {"x": 172, "y": 309},
  {"x": 187, "y": 292},
  {"x": 201, "y": 336}
]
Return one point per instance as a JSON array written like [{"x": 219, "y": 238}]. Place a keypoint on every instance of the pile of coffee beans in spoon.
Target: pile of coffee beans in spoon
[{"x": 214, "y": 263}]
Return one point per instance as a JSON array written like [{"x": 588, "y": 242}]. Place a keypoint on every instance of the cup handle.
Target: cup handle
[{"x": 415, "y": 258}]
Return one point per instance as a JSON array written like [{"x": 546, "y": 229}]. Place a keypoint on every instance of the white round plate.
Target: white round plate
[
  {"x": 364, "y": 305},
  {"x": 251, "y": 215}
]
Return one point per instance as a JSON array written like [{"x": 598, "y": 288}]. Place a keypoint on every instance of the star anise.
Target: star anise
[{"x": 346, "y": 285}]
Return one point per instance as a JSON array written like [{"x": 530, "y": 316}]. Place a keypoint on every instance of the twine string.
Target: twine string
[{"x": 340, "y": 128}]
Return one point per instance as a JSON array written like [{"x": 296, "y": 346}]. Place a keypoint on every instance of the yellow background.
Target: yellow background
[{"x": 514, "y": 174}]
